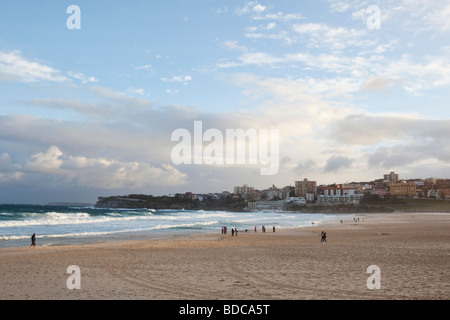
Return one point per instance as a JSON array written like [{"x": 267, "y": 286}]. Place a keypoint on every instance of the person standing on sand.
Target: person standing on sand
[
  {"x": 33, "y": 240},
  {"x": 273, "y": 228}
]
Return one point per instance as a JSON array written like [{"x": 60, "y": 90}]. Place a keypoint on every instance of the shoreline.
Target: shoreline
[
  {"x": 412, "y": 251},
  {"x": 59, "y": 238}
]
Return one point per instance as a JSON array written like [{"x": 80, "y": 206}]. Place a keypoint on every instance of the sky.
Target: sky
[{"x": 90, "y": 99}]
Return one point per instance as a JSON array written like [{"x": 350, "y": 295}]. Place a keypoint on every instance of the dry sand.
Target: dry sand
[{"x": 411, "y": 250}]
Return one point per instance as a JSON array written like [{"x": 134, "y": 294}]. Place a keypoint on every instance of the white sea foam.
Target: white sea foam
[
  {"x": 60, "y": 218},
  {"x": 79, "y": 222}
]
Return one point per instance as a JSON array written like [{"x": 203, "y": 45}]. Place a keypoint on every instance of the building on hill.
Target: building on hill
[
  {"x": 302, "y": 188},
  {"x": 392, "y": 177},
  {"x": 402, "y": 189}
]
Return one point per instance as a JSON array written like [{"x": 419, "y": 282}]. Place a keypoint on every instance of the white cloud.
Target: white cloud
[
  {"x": 183, "y": 79},
  {"x": 45, "y": 161},
  {"x": 322, "y": 36},
  {"x": 246, "y": 9},
  {"x": 260, "y": 12},
  {"x": 282, "y": 16},
  {"x": 139, "y": 91},
  {"x": 119, "y": 99},
  {"x": 81, "y": 77},
  {"x": 260, "y": 33},
  {"x": 258, "y": 58},
  {"x": 233, "y": 45},
  {"x": 259, "y": 8},
  {"x": 143, "y": 67},
  {"x": 15, "y": 67},
  {"x": 339, "y": 6},
  {"x": 271, "y": 26},
  {"x": 101, "y": 172}
]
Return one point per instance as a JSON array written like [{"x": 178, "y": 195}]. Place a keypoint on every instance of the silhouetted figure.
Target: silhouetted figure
[
  {"x": 33, "y": 240},
  {"x": 323, "y": 237}
]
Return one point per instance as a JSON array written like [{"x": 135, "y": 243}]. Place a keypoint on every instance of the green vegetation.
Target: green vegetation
[{"x": 138, "y": 201}]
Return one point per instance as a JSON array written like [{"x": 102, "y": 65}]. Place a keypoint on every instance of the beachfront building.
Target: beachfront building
[
  {"x": 340, "y": 191},
  {"x": 403, "y": 189},
  {"x": 304, "y": 187},
  {"x": 265, "y": 205},
  {"x": 344, "y": 199},
  {"x": 296, "y": 200}
]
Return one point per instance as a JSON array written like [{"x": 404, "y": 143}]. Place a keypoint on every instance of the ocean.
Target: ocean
[{"x": 63, "y": 225}]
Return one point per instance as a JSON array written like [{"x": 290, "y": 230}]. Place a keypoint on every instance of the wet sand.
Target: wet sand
[{"x": 411, "y": 250}]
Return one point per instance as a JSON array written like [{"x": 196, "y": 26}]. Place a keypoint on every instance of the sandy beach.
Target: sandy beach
[{"x": 411, "y": 250}]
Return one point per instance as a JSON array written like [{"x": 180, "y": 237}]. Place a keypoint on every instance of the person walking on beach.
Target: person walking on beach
[
  {"x": 273, "y": 228},
  {"x": 235, "y": 231},
  {"x": 255, "y": 228},
  {"x": 33, "y": 240},
  {"x": 232, "y": 232},
  {"x": 323, "y": 237}
]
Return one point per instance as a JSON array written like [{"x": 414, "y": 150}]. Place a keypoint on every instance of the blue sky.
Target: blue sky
[{"x": 90, "y": 112}]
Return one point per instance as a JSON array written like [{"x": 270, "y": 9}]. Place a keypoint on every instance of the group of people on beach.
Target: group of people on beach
[
  {"x": 263, "y": 228},
  {"x": 234, "y": 231}
]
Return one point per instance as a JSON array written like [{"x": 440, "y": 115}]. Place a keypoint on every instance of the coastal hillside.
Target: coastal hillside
[
  {"x": 229, "y": 203},
  {"x": 139, "y": 201}
]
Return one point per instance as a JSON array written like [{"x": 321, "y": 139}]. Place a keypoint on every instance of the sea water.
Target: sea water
[{"x": 62, "y": 225}]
